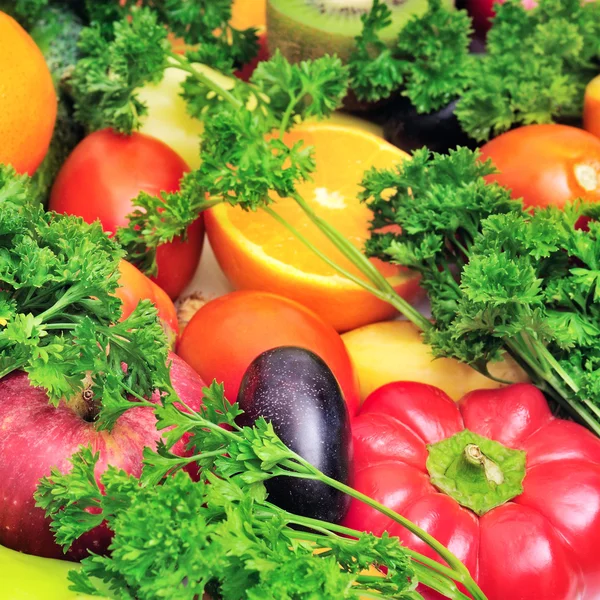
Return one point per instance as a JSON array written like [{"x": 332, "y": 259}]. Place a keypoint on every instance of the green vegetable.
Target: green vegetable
[
  {"x": 537, "y": 65},
  {"x": 498, "y": 278},
  {"x": 535, "y": 69},
  {"x": 177, "y": 539},
  {"x": 120, "y": 57},
  {"x": 430, "y": 62},
  {"x": 59, "y": 318},
  {"x": 441, "y": 219}
]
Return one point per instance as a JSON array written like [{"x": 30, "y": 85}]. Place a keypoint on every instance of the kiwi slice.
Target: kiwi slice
[{"x": 303, "y": 29}]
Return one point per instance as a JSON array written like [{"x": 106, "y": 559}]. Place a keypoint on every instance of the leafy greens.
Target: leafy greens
[
  {"x": 499, "y": 278},
  {"x": 221, "y": 535},
  {"x": 59, "y": 317},
  {"x": 535, "y": 68}
]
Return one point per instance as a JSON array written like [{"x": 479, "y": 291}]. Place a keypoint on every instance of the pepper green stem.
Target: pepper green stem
[
  {"x": 479, "y": 473},
  {"x": 475, "y": 459}
]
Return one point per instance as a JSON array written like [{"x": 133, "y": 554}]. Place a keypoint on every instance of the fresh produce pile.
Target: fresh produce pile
[{"x": 175, "y": 439}]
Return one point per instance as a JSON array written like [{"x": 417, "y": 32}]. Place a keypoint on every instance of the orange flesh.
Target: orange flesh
[{"x": 333, "y": 194}]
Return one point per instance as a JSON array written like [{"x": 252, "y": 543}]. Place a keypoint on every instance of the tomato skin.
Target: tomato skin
[
  {"x": 228, "y": 333},
  {"x": 546, "y": 164},
  {"x": 102, "y": 176},
  {"x": 537, "y": 545},
  {"x": 135, "y": 286}
]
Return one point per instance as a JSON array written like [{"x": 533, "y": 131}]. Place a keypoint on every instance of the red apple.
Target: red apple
[{"x": 34, "y": 436}]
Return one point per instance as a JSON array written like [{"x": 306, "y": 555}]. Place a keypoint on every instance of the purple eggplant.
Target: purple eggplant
[{"x": 297, "y": 392}]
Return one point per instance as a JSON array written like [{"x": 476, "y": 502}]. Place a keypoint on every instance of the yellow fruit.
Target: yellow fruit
[
  {"x": 24, "y": 577},
  {"x": 256, "y": 252},
  {"x": 168, "y": 119},
  {"x": 393, "y": 351}
]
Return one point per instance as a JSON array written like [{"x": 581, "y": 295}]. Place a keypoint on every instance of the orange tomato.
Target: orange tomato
[
  {"x": 228, "y": 333},
  {"x": 135, "y": 286},
  {"x": 547, "y": 164},
  {"x": 28, "y": 101}
]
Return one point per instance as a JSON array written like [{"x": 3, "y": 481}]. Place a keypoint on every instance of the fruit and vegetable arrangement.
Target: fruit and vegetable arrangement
[{"x": 299, "y": 300}]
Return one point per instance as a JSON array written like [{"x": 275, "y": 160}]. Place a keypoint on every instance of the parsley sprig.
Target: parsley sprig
[
  {"x": 59, "y": 318},
  {"x": 535, "y": 69},
  {"x": 222, "y": 535},
  {"x": 246, "y": 162},
  {"x": 500, "y": 279},
  {"x": 120, "y": 55}
]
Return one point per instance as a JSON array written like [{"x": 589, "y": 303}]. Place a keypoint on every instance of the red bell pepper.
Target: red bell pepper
[{"x": 511, "y": 490}]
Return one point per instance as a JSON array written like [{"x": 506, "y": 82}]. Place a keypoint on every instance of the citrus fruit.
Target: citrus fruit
[
  {"x": 249, "y": 13},
  {"x": 394, "y": 351},
  {"x": 256, "y": 252},
  {"x": 28, "y": 101},
  {"x": 591, "y": 107}
]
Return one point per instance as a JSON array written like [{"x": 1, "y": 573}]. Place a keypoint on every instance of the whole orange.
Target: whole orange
[{"x": 28, "y": 100}]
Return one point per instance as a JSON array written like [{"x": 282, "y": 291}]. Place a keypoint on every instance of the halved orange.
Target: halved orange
[{"x": 256, "y": 252}]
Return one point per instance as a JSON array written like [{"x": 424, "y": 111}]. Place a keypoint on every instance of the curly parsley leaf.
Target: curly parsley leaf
[
  {"x": 105, "y": 80},
  {"x": 500, "y": 279},
  {"x": 375, "y": 73},
  {"x": 60, "y": 320},
  {"x": 219, "y": 535},
  {"x": 433, "y": 51},
  {"x": 537, "y": 65}
]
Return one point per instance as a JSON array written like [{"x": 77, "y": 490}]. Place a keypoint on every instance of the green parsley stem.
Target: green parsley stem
[
  {"x": 12, "y": 368},
  {"x": 352, "y": 533},
  {"x": 285, "y": 120},
  {"x": 141, "y": 401},
  {"x": 463, "y": 575},
  {"x": 549, "y": 383},
  {"x": 183, "y": 64},
  {"x": 365, "y": 266},
  {"x": 300, "y": 468},
  {"x": 51, "y": 326},
  {"x": 322, "y": 256},
  {"x": 71, "y": 296},
  {"x": 433, "y": 581}
]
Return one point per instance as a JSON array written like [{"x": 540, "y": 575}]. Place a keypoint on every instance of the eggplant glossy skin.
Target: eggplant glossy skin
[
  {"x": 297, "y": 392},
  {"x": 440, "y": 131}
]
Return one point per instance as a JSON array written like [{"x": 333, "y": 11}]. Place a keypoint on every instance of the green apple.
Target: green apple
[{"x": 26, "y": 577}]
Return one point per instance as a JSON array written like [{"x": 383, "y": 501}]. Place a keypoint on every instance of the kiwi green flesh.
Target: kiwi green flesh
[
  {"x": 342, "y": 17},
  {"x": 304, "y": 29}
]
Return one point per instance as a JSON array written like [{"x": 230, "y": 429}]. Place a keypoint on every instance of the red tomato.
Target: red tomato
[
  {"x": 537, "y": 541},
  {"x": 102, "y": 176},
  {"x": 135, "y": 286},
  {"x": 228, "y": 333},
  {"x": 547, "y": 164}
]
